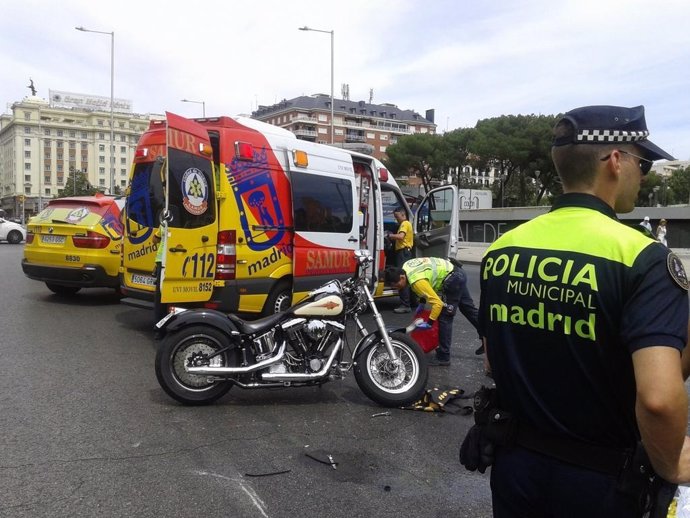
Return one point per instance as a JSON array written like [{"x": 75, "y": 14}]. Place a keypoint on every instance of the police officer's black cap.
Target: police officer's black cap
[{"x": 611, "y": 125}]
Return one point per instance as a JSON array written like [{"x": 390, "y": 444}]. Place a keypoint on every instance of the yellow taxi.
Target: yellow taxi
[{"x": 75, "y": 243}]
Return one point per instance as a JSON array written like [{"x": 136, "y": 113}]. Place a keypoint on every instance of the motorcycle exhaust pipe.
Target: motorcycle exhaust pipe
[
  {"x": 295, "y": 376},
  {"x": 212, "y": 371}
]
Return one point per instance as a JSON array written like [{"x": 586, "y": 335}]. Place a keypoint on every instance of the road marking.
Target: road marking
[{"x": 248, "y": 490}]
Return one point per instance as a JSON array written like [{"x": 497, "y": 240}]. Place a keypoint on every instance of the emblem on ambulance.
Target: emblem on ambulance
[
  {"x": 194, "y": 191},
  {"x": 677, "y": 271}
]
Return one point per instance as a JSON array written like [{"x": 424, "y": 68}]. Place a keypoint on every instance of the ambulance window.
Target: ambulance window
[
  {"x": 322, "y": 204},
  {"x": 435, "y": 212},
  {"x": 191, "y": 188}
]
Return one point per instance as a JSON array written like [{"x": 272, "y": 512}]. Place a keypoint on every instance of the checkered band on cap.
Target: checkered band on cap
[{"x": 599, "y": 136}]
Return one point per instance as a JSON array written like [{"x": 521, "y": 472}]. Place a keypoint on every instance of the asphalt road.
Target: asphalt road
[{"x": 85, "y": 430}]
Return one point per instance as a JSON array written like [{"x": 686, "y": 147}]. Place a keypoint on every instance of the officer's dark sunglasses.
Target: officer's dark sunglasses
[{"x": 645, "y": 164}]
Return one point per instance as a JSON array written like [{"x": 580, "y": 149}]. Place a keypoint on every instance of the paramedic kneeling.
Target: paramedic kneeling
[
  {"x": 442, "y": 284},
  {"x": 584, "y": 321}
]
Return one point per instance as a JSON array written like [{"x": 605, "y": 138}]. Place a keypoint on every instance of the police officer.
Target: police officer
[
  {"x": 584, "y": 321},
  {"x": 443, "y": 285}
]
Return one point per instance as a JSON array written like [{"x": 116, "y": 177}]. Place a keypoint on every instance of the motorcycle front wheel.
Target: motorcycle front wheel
[
  {"x": 392, "y": 383},
  {"x": 177, "y": 349}
]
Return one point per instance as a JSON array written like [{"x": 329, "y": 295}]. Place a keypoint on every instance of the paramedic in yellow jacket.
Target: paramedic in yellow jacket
[
  {"x": 444, "y": 286},
  {"x": 403, "y": 239}
]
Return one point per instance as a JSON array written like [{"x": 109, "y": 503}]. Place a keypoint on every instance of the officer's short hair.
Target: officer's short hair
[
  {"x": 400, "y": 210},
  {"x": 392, "y": 275},
  {"x": 576, "y": 164}
]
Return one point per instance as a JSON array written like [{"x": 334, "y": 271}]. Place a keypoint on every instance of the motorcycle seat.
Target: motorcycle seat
[{"x": 256, "y": 326}]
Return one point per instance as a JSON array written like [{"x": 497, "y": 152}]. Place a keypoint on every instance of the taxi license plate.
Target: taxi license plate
[
  {"x": 146, "y": 280},
  {"x": 56, "y": 240}
]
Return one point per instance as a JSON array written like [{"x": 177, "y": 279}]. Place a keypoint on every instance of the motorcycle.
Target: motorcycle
[{"x": 205, "y": 353}]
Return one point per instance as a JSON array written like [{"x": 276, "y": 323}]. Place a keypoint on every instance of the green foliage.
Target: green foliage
[
  {"x": 519, "y": 148},
  {"x": 659, "y": 190},
  {"x": 77, "y": 184},
  {"x": 679, "y": 186}
]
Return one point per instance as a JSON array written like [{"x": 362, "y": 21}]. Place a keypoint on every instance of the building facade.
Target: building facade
[
  {"x": 359, "y": 125},
  {"x": 41, "y": 142}
]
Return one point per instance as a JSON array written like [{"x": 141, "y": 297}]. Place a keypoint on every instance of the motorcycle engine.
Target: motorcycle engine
[{"x": 315, "y": 329}]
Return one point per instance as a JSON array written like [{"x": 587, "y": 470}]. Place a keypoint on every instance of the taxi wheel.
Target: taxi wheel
[{"x": 58, "y": 289}]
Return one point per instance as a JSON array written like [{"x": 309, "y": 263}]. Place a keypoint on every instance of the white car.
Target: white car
[{"x": 11, "y": 232}]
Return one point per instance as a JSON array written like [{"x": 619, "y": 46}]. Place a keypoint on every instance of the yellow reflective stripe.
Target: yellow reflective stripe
[{"x": 575, "y": 229}]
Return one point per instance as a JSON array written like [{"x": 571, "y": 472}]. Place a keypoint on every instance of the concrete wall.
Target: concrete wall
[{"x": 485, "y": 225}]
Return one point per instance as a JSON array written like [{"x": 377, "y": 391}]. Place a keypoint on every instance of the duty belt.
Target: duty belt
[{"x": 597, "y": 458}]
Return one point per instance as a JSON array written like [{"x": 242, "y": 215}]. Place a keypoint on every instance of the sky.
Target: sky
[{"x": 466, "y": 59}]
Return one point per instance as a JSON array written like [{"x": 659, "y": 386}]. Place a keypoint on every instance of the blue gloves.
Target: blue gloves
[
  {"x": 423, "y": 326},
  {"x": 419, "y": 309}
]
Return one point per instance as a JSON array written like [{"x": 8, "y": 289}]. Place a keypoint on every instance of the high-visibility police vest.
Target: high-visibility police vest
[
  {"x": 567, "y": 298},
  {"x": 433, "y": 269}
]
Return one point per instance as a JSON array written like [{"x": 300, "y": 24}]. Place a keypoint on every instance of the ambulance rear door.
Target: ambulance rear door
[
  {"x": 326, "y": 229},
  {"x": 436, "y": 223},
  {"x": 192, "y": 230}
]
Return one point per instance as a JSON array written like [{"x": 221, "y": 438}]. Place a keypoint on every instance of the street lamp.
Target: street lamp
[
  {"x": 305, "y": 28},
  {"x": 202, "y": 103},
  {"x": 112, "y": 92}
]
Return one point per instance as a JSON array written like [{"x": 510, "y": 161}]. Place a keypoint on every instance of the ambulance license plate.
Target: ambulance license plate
[{"x": 146, "y": 280}]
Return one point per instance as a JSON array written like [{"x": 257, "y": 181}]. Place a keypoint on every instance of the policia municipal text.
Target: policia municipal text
[{"x": 584, "y": 320}]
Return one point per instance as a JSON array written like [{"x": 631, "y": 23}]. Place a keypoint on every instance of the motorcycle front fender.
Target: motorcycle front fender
[
  {"x": 365, "y": 341},
  {"x": 208, "y": 317}
]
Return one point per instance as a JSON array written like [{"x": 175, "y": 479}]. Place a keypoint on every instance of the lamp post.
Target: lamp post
[
  {"x": 112, "y": 95},
  {"x": 305, "y": 28},
  {"x": 202, "y": 103}
]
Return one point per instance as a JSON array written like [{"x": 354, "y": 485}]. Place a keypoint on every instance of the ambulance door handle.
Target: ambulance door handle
[
  {"x": 352, "y": 239},
  {"x": 204, "y": 239},
  {"x": 178, "y": 249}
]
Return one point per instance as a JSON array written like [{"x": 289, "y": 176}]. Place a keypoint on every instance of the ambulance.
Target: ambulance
[{"x": 255, "y": 218}]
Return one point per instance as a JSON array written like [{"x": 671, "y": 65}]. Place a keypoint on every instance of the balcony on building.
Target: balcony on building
[
  {"x": 353, "y": 136},
  {"x": 305, "y": 133}
]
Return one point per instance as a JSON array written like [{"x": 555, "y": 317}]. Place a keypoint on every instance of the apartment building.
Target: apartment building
[
  {"x": 356, "y": 124},
  {"x": 41, "y": 141}
]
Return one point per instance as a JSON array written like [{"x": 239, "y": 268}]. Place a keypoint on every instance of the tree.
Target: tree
[
  {"x": 679, "y": 186},
  {"x": 518, "y": 146},
  {"x": 415, "y": 154},
  {"x": 455, "y": 153},
  {"x": 77, "y": 184}
]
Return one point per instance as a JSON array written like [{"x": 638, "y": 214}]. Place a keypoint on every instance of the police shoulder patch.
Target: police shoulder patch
[{"x": 677, "y": 271}]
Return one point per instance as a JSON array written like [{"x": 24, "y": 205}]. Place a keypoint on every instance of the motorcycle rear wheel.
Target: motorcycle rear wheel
[
  {"x": 392, "y": 384},
  {"x": 172, "y": 356}
]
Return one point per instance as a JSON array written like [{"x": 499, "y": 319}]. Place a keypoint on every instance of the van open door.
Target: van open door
[
  {"x": 436, "y": 223},
  {"x": 192, "y": 230}
]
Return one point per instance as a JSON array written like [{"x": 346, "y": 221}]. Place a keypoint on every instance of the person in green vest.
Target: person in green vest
[{"x": 443, "y": 284}]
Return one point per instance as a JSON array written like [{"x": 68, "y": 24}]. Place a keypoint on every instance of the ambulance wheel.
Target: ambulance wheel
[{"x": 279, "y": 299}]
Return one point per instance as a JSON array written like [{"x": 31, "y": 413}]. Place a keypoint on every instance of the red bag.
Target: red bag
[{"x": 426, "y": 338}]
